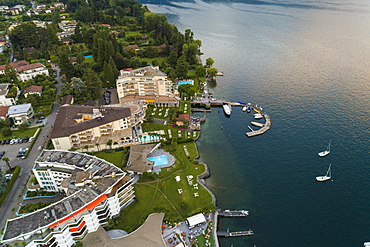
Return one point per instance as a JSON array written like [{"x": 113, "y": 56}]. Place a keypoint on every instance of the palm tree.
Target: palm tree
[
  {"x": 144, "y": 138},
  {"x": 109, "y": 143},
  {"x": 97, "y": 146},
  {"x": 6, "y": 159},
  {"x": 87, "y": 148}
]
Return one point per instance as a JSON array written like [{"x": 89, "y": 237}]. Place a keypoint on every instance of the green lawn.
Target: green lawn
[
  {"x": 19, "y": 134},
  {"x": 161, "y": 194},
  {"x": 119, "y": 158},
  {"x": 150, "y": 60},
  {"x": 179, "y": 134}
]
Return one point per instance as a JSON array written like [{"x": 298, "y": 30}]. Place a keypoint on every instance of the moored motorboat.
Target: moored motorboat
[
  {"x": 257, "y": 124},
  {"x": 258, "y": 116},
  {"x": 245, "y": 108},
  {"x": 248, "y": 109},
  {"x": 227, "y": 109}
]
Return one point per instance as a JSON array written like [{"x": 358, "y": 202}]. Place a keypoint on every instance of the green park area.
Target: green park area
[
  {"x": 177, "y": 198},
  {"x": 19, "y": 134}
]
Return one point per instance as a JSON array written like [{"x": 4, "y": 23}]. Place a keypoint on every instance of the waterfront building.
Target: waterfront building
[
  {"x": 95, "y": 190},
  {"x": 80, "y": 126},
  {"x": 146, "y": 81}
]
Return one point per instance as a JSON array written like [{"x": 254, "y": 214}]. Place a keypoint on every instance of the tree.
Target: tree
[
  {"x": 212, "y": 72},
  {"x": 209, "y": 62},
  {"x": 93, "y": 84},
  {"x": 11, "y": 74},
  {"x": 6, "y": 131},
  {"x": 66, "y": 67},
  {"x": 97, "y": 146},
  {"x": 23, "y": 127},
  {"x": 80, "y": 58},
  {"x": 78, "y": 85},
  {"x": 109, "y": 143},
  {"x": 87, "y": 148},
  {"x": 6, "y": 159},
  {"x": 108, "y": 76},
  {"x": 200, "y": 71},
  {"x": 182, "y": 67}
]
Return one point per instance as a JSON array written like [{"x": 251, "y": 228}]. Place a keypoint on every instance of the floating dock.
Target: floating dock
[
  {"x": 234, "y": 213},
  {"x": 235, "y": 234},
  {"x": 262, "y": 130}
]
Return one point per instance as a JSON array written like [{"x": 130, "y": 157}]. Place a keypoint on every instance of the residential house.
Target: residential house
[
  {"x": 32, "y": 90},
  {"x": 79, "y": 126},
  {"x": 67, "y": 100},
  {"x": 25, "y": 70},
  {"x": 4, "y": 112},
  {"x": 5, "y": 100},
  {"x": 146, "y": 81},
  {"x": 95, "y": 189},
  {"x": 2, "y": 40},
  {"x": 20, "y": 114},
  {"x": 136, "y": 47},
  {"x": 13, "y": 11}
]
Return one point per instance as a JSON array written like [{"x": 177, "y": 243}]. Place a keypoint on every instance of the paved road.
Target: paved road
[{"x": 11, "y": 203}]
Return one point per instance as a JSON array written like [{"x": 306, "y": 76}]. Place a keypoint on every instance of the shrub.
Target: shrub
[{"x": 6, "y": 131}]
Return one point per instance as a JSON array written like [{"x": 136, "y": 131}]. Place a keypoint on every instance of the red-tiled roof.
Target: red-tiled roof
[
  {"x": 3, "y": 111},
  {"x": 33, "y": 88}
]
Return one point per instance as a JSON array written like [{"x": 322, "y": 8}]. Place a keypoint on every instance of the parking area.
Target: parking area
[{"x": 11, "y": 152}]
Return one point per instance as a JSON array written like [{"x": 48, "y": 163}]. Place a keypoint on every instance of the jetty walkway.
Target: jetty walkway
[
  {"x": 235, "y": 234},
  {"x": 262, "y": 130}
]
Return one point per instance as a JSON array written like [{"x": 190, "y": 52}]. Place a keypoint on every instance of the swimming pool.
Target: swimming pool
[
  {"x": 159, "y": 160},
  {"x": 191, "y": 82},
  {"x": 87, "y": 56},
  {"x": 148, "y": 138}
]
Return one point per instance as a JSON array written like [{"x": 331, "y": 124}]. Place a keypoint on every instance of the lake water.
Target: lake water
[{"x": 307, "y": 63}]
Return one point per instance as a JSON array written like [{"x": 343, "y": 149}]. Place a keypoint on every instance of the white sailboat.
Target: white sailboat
[
  {"x": 326, "y": 177},
  {"x": 326, "y": 152}
]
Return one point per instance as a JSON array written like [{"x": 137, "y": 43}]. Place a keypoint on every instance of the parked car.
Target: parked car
[
  {"x": 12, "y": 141},
  {"x": 31, "y": 139},
  {"x": 2, "y": 154},
  {"x": 41, "y": 117},
  {"x": 7, "y": 141},
  {"x": 39, "y": 121},
  {"x": 8, "y": 176},
  {"x": 2, "y": 142}
]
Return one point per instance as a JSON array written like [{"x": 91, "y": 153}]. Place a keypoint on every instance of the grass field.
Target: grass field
[
  {"x": 19, "y": 134},
  {"x": 162, "y": 195},
  {"x": 119, "y": 158}
]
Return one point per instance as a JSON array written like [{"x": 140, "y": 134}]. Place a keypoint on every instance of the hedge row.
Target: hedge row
[{"x": 16, "y": 172}]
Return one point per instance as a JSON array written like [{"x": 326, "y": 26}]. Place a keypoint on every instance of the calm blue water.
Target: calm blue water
[
  {"x": 159, "y": 160},
  {"x": 185, "y": 82},
  {"x": 307, "y": 63}
]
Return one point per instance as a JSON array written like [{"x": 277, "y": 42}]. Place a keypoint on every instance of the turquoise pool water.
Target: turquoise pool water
[
  {"x": 159, "y": 160},
  {"x": 185, "y": 82},
  {"x": 87, "y": 56},
  {"x": 146, "y": 138}
]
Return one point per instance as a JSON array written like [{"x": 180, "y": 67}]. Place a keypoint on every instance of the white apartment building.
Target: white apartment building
[
  {"x": 20, "y": 114},
  {"x": 95, "y": 191},
  {"x": 4, "y": 99},
  {"x": 25, "y": 70},
  {"x": 144, "y": 81}
]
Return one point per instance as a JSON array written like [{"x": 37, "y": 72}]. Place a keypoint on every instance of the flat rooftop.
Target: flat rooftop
[{"x": 78, "y": 200}]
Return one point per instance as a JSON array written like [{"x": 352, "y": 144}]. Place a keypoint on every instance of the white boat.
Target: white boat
[
  {"x": 258, "y": 116},
  {"x": 257, "y": 124},
  {"x": 326, "y": 177},
  {"x": 227, "y": 109},
  {"x": 326, "y": 152},
  {"x": 245, "y": 108}
]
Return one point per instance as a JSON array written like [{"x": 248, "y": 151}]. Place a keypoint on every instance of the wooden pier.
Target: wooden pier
[
  {"x": 235, "y": 234},
  {"x": 200, "y": 110},
  {"x": 262, "y": 130}
]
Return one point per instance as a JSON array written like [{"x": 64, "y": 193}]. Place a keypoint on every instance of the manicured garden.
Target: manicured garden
[
  {"x": 19, "y": 134},
  {"x": 118, "y": 157},
  {"x": 178, "y": 200}
]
